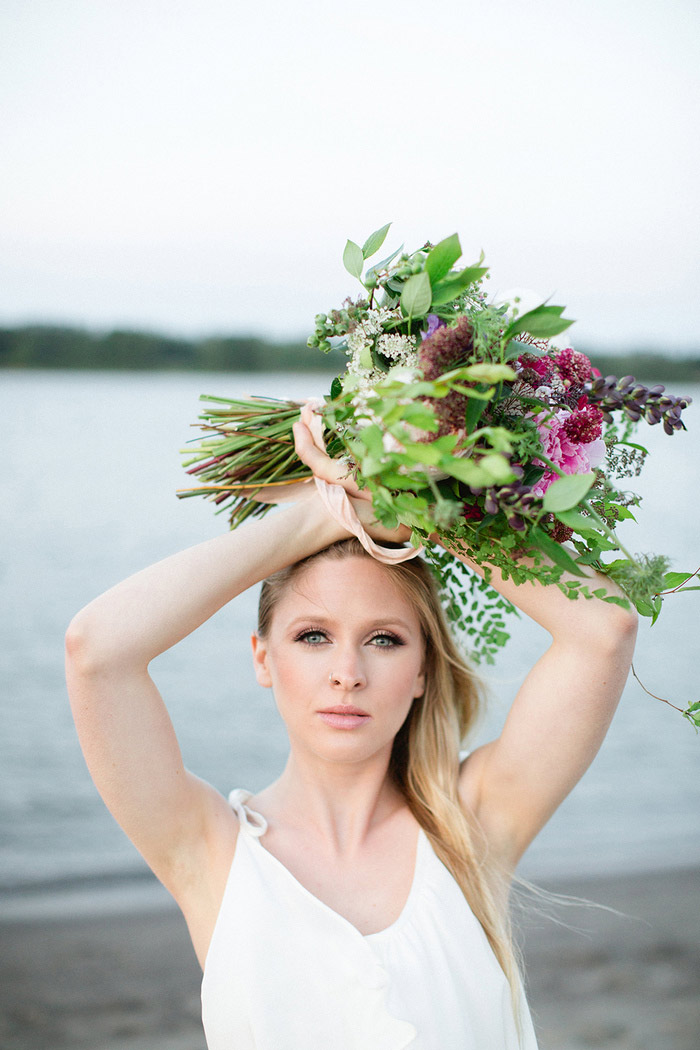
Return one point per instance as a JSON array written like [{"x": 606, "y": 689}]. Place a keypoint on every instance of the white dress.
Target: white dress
[{"x": 286, "y": 972}]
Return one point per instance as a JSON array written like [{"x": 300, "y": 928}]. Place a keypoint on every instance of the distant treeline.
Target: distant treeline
[{"x": 48, "y": 346}]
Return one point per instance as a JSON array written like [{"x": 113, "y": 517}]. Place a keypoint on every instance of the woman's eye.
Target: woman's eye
[
  {"x": 385, "y": 641},
  {"x": 312, "y": 637}
]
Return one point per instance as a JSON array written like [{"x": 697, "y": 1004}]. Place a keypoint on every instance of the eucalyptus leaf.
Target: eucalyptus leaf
[
  {"x": 565, "y": 493},
  {"x": 353, "y": 260},
  {"x": 375, "y": 241},
  {"x": 442, "y": 258},
  {"x": 416, "y": 295}
]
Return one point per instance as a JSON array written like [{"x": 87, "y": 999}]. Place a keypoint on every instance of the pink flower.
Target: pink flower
[
  {"x": 584, "y": 424},
  {"x": 574, "y": 367},
  {"x": 572, "y": 457}
]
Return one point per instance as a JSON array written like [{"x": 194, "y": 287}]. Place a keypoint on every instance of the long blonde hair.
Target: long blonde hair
[{"x": 424, "y": 762}]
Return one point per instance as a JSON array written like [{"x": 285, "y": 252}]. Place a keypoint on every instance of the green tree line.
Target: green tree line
[{"x": 50, "y": 346}]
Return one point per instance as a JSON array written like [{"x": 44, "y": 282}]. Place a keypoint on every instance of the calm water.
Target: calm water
[{"x": 90, "y": 468}]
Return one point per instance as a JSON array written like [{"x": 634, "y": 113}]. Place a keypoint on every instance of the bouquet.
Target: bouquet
[{"x": 464, "y": 419}]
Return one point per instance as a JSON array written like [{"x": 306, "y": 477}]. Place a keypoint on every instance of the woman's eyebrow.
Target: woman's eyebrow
[{"x": 380, "y": 621}]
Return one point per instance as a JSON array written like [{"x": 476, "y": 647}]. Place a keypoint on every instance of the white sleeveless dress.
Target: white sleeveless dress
[{"x": 286, "y": 972}]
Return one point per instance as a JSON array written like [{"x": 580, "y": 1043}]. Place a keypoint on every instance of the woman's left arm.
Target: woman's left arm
[{"x": 559, "y": 716}]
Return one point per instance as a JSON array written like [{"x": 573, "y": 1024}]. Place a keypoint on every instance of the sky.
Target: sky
[{"x": 196, "y": 168}]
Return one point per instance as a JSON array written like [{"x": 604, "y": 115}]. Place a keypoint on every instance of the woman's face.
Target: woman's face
[{"x": 344, "y": 656}]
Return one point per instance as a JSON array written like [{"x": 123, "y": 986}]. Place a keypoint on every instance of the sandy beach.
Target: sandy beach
[{"x": 120, "y": 974}]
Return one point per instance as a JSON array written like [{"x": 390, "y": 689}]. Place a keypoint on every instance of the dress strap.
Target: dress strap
[{"x": 251, "y": 821}]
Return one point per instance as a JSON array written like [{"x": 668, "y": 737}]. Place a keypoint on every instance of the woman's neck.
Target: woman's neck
[{"x": 342, "y": 804}]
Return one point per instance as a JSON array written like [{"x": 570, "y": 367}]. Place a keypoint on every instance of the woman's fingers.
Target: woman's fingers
[{"x": 330, "y": 470}]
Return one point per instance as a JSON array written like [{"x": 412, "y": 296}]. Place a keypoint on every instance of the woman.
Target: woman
[{"x": 360, "y": 900}]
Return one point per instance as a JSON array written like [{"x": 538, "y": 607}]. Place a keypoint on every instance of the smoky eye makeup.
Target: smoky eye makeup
[
  {"x": 315, "y": 635},
  {"x": 304, "y": 634},
  {"x": 394, "y": 639}
]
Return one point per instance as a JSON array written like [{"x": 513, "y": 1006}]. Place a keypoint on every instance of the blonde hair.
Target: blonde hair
[{"x": 424, "y": 762}]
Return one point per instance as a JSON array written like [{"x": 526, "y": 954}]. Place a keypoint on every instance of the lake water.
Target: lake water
[{"x": 90, "y": 468}]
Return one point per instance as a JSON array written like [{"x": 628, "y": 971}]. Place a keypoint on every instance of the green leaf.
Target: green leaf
[
  {"x": 442, "y": 258},
  {"x": 473, "y": 392},
  {"x": 421, "y": 452},
  {"x": 497, "y": 467},
  {"x": 515, "y": 349},
  {"x": 487, "y": 373},
  {"x": 542, "y": 322},
  {"x": 394, "y": 480},
  {"x": 353, "y": 260},
  {"x": 375, "y": 241},
  {"x": 657, "y": 602},
  {"x": 565, "y": 493},
  {"x": 474, "y": 412},
  {"x": 416, "y": 295},
  {"x": 633, "y": 444},
  {"x": 418, "y": 415},
  {"x": 336, "y": 388},
  {"x": 378, "y": 267},
  {"x": 465, "y": 470},
  {"x": 371, "y": 438},
  {"x": 554, "y": 551},
  {"x": 575, "y": 520},
  {"x": 614, "y": 600},
  {"x": 675, "y": 579},
  {"x": 451, "y": 287}
]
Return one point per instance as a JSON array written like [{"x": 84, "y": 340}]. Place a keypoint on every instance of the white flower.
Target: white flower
[
  {"x": 403, "y": 374},
  {"x": 397, "y": 347}
]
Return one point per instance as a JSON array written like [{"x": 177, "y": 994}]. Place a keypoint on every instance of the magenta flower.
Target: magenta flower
[{"x": 572, "y": 457}]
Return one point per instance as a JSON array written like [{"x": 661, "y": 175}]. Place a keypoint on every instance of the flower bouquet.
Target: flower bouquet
[{"x": 464, "y": 419}]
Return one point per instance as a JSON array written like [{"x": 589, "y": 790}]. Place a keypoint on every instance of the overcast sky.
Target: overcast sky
[{"x": 196, "y": 167}]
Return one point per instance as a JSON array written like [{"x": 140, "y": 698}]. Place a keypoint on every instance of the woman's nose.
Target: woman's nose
[{"x": 347, "y": 679}]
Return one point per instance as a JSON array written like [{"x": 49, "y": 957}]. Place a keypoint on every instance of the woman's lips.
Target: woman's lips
[{"x": 344, "y": 717}]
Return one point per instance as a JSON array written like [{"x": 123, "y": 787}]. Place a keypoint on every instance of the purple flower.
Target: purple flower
[{"x": 434, "y": 323}]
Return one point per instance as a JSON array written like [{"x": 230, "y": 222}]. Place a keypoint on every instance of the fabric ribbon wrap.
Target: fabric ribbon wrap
[{"x": 334, "y": 496}]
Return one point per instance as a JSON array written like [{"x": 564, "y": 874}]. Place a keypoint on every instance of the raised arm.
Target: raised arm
[
  {"x": 124, "y": 729},
  {"x": 559, "y": 716}
]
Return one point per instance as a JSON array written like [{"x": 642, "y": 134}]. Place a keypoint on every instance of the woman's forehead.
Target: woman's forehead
[{"x": 354, "y": 583}]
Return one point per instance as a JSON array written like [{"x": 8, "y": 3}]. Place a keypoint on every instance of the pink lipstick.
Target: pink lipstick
[{"x": 344, "y": 716}]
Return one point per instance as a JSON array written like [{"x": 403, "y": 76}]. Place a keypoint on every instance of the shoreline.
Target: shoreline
[{"x": 122, "y": 975}]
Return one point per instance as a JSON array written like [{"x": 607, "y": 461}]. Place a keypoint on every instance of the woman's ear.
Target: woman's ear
[
  {"x": 420, "y": 686},
  {"x": 262, "y": 672}
]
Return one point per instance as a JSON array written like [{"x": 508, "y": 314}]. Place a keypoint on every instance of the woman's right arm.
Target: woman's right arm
[{"x": 125, "y": 732}]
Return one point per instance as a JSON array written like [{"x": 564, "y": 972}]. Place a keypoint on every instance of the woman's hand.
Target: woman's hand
[{"x": 335, "y": 472}]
